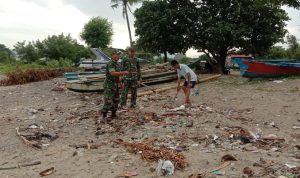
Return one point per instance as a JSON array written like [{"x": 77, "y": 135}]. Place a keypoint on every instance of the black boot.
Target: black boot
[{"x": 113, "y": 114}]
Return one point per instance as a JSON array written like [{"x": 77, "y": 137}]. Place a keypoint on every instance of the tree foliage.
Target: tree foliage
[
  {"x": 54, "y": 47},
  {"x": 97, "y": 32},
  {"x": 61, "y": 46},
  {"x": 216, "y": 26},
  {"x": 5, "y": 54},
  {"x": 156, "y": 29},
  {"x": 27, "y": 51}
]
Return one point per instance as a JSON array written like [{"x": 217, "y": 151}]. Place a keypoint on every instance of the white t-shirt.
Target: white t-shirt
[{"x": 184, "y": 70}]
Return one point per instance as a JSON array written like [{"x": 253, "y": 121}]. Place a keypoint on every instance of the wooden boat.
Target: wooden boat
[
  {"x": 268, "y": 68},
  {"x": 94, "y": 82}
]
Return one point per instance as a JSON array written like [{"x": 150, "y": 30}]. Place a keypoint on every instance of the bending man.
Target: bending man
[{"x": 190, "y": 79}]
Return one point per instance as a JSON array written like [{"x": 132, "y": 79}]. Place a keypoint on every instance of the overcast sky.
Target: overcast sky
[{"x": 36, "y": 19}]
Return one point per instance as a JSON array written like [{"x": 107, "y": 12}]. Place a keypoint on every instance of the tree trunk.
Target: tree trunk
[
  {"x": 219, "y": 67},
  {"x": 128, "y": 24},
  {"x": 165, "y": 56}
]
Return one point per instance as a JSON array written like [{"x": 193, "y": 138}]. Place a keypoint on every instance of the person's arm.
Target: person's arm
[
  {"x": 112, "y": 70},
  {"x": 117, "y": 74}
]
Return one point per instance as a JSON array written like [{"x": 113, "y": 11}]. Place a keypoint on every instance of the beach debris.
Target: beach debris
[
  {"x": 228, "y": 157},
  {"x": 213, "y": 170},
  {"x": 34, "y": 136},
  {"x": 296, "y": 127},
  {"x": 129, "y": 174},
  {"x": 87, "y": 146},
  {"x": 278, "y": 81},
  {"x": 290, "y": 166},
  {"x": 165, "y": 167},
  {"x": 180, "y": 108},
  {"x": 85, "y": 115},
  {"x": 151, "y": 154},
  {"x": 248, "y": 171},
  {"x": 22, "y": 165},
  {"x": 47, "y": 172}
]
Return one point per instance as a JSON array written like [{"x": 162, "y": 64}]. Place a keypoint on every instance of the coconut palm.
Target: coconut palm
[{"x": 125, "y": 4}]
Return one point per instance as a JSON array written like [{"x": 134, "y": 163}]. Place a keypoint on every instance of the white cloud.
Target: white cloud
[{"x": 21, "y": 20}]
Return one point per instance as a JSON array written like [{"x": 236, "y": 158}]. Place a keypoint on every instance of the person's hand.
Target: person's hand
[
  {"x": 139, "y": 83},
  {"x": 178, "y": 88},
  {"x": 125, "y": 73}
]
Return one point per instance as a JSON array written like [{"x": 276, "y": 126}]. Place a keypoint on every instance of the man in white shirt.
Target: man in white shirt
[{"x": 190, "y": 79}]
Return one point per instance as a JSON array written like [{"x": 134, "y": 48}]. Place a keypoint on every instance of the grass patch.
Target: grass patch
[{"x": 49, "y": 64}]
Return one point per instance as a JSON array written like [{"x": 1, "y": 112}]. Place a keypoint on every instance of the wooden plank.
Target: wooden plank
[{"x": 175, "y": 86}]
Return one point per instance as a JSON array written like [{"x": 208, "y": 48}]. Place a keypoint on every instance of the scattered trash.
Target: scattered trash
[
  {"x": 87, "y": 146},
  {"x": 180, "y": 108},
  {"x": 21, "y": 165},
  {"x": 226, "y": 158},
  {"x": 33, "y": 136},
  {"x": 248, "y": 171},
  {"x": 219, "y": 173},
  {"x": 149, "y": 153},
  {"x": 278, "y": 81},
  {"x": 296, "y": 127},
  {"x": 129, "y": 174},
  {"x": 166, "y": 167},
  {"x": 291, "y": 166},
  {"x": 47, "y": 172},
  {"x": 112, "y": 158}
]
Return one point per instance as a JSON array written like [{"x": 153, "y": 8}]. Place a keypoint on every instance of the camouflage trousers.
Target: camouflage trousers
[
  {"x": 111, "y": 99},
  {"x": 132, "y": 86}
]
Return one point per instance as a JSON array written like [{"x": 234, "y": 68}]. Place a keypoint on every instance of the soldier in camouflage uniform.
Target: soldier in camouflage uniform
[
  {"x": 132, "y": 80},
  {"x": 111, "y": 85}
]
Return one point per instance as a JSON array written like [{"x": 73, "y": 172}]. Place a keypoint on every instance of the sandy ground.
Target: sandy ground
[{"x": 266, "y": 106}]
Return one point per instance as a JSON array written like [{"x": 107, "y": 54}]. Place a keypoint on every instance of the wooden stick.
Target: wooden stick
[
  {"x": 175, "y": 86},
  {"x": 27, "y": 142},
  {"x": 22, "y": 165},
  {"x": 87, "y": 146}
]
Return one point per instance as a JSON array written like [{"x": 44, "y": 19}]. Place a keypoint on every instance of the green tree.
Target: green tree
[
  {"x": 125, "y": 7},
  {"x": 216, "y": 26},
  {"x": 156, "y": 30},
  {"x": 27, "y": 52},
  {"x": 276, "y": 52},
  {"x": 292, "y": 42},
  {"x": 5, "y": 54},
  {"x": 61, "y": 46},
  {"x": 97, "y": 32}
]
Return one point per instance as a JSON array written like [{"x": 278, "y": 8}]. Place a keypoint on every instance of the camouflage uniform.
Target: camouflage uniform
[
  {"x": 130, "y": 81},
  {"x": 111, "y": 88}
]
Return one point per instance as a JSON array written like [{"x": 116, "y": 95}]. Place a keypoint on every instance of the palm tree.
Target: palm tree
[{"x": 126, "y": 6}]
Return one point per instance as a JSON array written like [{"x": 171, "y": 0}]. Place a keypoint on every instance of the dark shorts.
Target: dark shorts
[{"x": 193, "y": 83}]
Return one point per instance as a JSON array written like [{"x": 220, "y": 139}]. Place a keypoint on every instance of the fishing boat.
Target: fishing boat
[
  {"x": 94, "y": 82},
  {"x": 268, "y": 68}
]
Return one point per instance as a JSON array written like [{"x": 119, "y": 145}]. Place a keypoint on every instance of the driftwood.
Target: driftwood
[
  {"x": 47, "y": 172},
  {"x": 22, "y": 165},
  {"x": 175, "y": 86},
  {"x": 87, "y": 146},
  {"x": 27, "y": 142}
]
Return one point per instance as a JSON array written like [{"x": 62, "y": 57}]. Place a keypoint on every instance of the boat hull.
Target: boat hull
[{"x": 267, "y": 69}]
